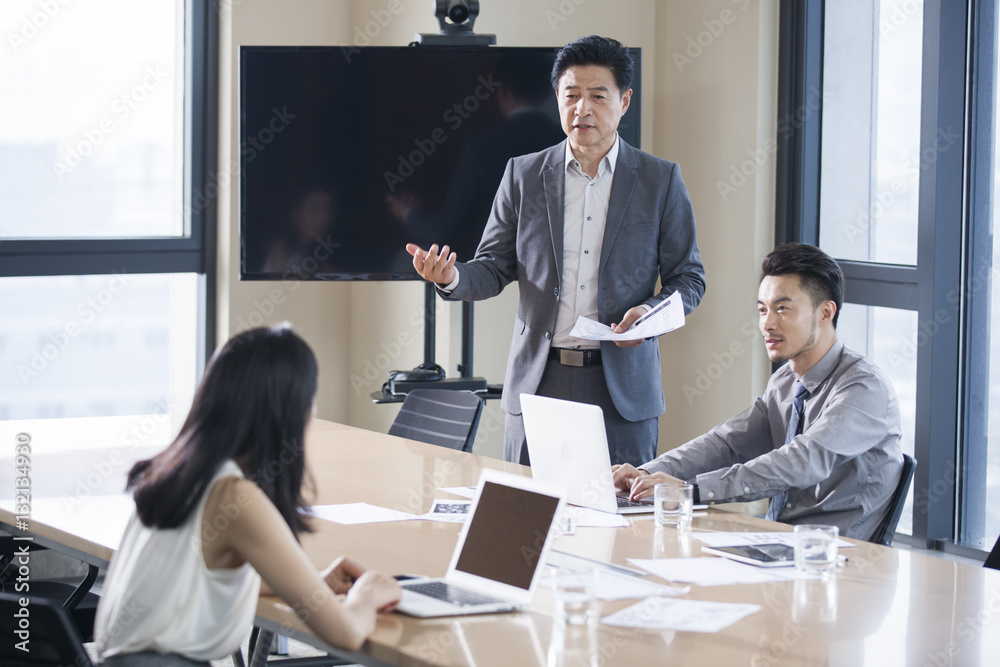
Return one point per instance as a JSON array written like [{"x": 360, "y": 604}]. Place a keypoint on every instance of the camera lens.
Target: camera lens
[{"x": 458, "y": 13}]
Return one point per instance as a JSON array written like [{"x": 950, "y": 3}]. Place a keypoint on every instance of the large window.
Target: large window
[
  {"x": 106, "y": 266},
  {"x": 871, "y": 130},
  {"x": 92, "y": 119},
  {"x": 896, "y": 178}
]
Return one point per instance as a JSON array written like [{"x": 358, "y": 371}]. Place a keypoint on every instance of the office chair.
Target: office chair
[
  {"x": 887, "y": 529},
  {"x": 993, "y": 560},
  {"x": 440, "y": 417},
  {"x": 53, "y": 639}
]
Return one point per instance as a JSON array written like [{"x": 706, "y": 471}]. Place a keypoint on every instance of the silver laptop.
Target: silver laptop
[
  {"x": 568, "y": 447},
  {"x": 500, "y": 552}
]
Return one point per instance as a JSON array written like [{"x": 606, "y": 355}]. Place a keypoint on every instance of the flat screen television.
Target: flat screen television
[{"x": 347, "y": 154}]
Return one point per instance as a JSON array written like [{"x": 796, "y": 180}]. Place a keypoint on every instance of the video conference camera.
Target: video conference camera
[{"x": 456, "y": 19}]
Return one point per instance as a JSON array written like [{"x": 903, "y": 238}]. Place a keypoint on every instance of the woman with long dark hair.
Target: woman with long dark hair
[{"x": 219, "y": 510}]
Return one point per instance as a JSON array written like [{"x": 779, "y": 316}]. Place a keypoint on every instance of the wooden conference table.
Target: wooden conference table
[{"x": 884, "y": 607}]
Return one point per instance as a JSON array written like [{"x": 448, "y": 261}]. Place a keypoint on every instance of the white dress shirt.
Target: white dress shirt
[{"x": 585, "y": 215}]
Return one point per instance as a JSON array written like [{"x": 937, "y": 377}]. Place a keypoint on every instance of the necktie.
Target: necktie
[{"x": 794, "y": 428}]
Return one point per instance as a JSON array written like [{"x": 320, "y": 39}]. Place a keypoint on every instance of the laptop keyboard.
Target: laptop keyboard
[
  {"x": 440, "y": 590},
  {"x": 625, "y": 502}
]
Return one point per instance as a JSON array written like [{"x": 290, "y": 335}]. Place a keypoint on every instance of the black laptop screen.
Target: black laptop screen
[{"x": 506, "y": 534}]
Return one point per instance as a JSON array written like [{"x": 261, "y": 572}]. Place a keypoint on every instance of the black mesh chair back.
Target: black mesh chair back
[
  {"x": 52, "y": 637},
  {"x": 439, "y": 417},
  {"x": 887, "y": 529}
]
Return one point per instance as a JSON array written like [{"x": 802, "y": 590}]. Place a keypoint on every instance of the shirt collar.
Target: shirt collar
[
  {"x": 611, "y": 159},
  {"x": 818, "y": 374}
]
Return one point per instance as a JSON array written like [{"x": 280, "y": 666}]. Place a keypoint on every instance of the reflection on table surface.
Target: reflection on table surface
[{"x": 883, "y": 607}]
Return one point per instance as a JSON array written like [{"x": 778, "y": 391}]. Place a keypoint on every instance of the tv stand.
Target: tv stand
[{"x": 429, "y": 375}]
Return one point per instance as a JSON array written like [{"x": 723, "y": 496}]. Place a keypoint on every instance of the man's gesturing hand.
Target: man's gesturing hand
[{"x": 433, "y": 266}]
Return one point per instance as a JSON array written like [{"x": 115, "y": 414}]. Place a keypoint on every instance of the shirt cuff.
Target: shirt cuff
[
  {"x": 708, "y": 488},
  {"x": 453, "y": 284}
]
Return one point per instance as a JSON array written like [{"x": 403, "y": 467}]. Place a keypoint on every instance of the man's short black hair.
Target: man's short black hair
[
  {"x": 819, "y": 274},
  {"x": 594, "y": 50}
]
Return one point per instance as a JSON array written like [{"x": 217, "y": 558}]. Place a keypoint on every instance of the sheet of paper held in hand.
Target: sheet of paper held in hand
[{"x": 667, "y": 316}]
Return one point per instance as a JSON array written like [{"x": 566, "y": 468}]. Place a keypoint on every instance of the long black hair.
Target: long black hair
[{"x": 252, "y": 406}]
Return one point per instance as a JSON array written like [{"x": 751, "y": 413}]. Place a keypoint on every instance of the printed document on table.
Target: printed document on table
[
  {"x": 713, "y": 571},
  {"x": 666, "y": 316},
  {"x": 354, "y": 513},
  {"x": 448, "y": 511},
  {"x": 752, "y": 539},
  {"x": 614, "y": 586},
  {"x": 662, "y": 613}
]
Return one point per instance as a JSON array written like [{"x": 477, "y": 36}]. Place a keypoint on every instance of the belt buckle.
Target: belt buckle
[{"x": 570, "y": 357}]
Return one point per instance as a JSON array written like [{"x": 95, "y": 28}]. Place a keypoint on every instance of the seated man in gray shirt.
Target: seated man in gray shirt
[{"x": 837, "y": 460}]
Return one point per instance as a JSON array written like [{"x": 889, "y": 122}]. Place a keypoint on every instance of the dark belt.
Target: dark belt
[{"x": 575, "y": 357}]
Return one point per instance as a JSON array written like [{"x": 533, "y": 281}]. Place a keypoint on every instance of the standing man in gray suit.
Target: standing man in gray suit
[{"x": 585, "y": 227}]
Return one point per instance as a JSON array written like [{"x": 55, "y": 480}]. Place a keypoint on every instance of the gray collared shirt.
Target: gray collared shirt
[{"x": 841, "y": 470}]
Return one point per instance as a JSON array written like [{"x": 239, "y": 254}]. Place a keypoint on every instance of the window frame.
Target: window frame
[
  {"x": 195, "y": 252},
  {"x": 950, "y": 432}
]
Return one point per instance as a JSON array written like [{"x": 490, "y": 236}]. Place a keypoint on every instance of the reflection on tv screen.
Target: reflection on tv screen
[{"x": 348, "y": 154}]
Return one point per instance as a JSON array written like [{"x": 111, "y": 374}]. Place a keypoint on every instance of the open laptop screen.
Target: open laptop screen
[{"x": 506, "y": 534}]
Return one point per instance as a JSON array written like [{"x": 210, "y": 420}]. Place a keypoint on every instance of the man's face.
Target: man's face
[
  {"x": 590, "y": 107},
  {"x": 787, "y": 318}
]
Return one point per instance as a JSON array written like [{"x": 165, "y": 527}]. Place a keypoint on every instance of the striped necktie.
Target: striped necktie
[{"x": 794, "y": 428}]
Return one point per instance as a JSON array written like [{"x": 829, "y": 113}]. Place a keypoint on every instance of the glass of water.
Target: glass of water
[
  {"x": 575, "y": 596},
  {"x": 816, "y": 549},
  {"x": 672, "y": 504}
]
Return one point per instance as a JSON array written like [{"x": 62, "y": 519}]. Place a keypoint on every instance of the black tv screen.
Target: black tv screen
[{"x": 347, "y": 154}]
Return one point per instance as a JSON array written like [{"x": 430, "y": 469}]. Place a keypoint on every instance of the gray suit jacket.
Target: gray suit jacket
[{"x": 650, "y": 234}]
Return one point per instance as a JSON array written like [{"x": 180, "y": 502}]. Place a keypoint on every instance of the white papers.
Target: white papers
[
  {"x": 568, "y": 561},
  {"x": 464, "y": 491},
  {"x": 659, "y": 613},
  {"x": 585, "y": 517},
  {"x": 448, "y": 511},
  {"x": 750, "y": 539},
  {"x": 355, "y": 513},
  {"x": 614, "y": 586},
  {"x": 712, "y": 571},
  {"x": 666, "y": 316}
]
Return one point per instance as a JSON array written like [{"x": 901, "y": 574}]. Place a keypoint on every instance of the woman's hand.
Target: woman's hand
[
  {"x": 379, "y": 589},
  {"x": 341, "y": 575}
]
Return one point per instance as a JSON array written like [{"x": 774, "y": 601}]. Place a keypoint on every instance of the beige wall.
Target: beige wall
[{"x": 705, "y": 114}]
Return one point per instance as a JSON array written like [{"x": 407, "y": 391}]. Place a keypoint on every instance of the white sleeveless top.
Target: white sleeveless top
[{"x": 160, "y": 596}]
